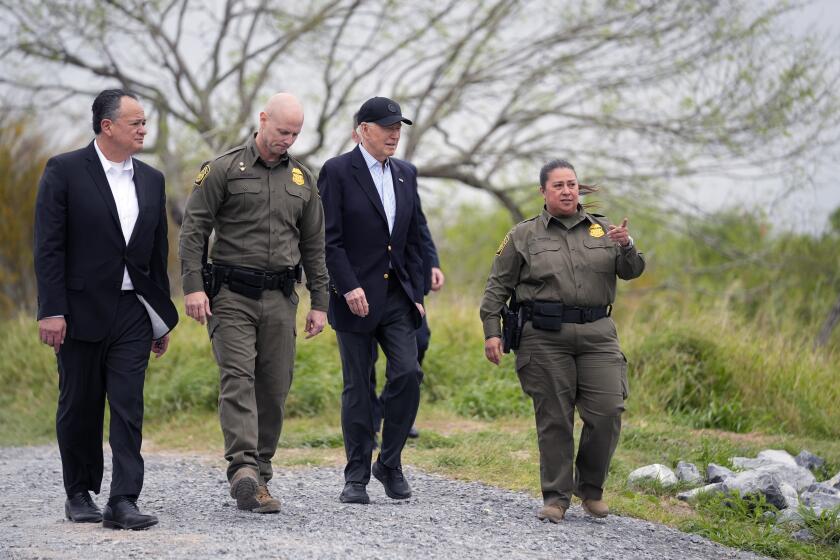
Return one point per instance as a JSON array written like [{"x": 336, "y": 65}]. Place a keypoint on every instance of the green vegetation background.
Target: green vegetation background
[{"x": 719, "y": 335}]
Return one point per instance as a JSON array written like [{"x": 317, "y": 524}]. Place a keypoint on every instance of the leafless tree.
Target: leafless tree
[{"x": 635, "y": 93}]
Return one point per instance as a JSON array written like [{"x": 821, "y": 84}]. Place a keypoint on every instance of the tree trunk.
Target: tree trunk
[{"x": 829, "y": 324}]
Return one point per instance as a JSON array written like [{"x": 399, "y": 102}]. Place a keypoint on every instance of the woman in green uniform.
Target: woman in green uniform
[{"x": 562, "y": 266}]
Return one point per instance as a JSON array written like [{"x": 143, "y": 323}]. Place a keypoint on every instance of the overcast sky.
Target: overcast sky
[
  {"x": 807, "y": 208},
  {"x": 803, "y": 209}
]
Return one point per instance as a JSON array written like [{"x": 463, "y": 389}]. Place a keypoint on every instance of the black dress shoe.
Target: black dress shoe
[
  {"x": 396, "y": 486},
  {"x": 79, "y": 508},
  {"x": 122, "y": 513},
  {"x": 413, "y": 433},
  {"x": 354, "y": 493}
]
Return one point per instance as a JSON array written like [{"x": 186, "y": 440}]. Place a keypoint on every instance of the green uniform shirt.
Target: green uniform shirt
[
  {"x": 267, "y": 217},
  {"x": 569, "y": 260}
]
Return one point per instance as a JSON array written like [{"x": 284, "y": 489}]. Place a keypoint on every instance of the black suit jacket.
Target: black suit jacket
[
  {"x": 80, "y": 251},
  {"x": 359, "y": 249}
]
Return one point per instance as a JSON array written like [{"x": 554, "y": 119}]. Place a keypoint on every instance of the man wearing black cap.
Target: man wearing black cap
[{"x": 374, "y": 258}]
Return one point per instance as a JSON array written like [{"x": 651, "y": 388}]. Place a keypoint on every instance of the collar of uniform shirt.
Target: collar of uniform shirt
[
  {"x": 126, "y": 166},
  {"x": 567, "y": 221},
  {"x": 371, "y": 161},
  {"x": 252, "y": 155}
]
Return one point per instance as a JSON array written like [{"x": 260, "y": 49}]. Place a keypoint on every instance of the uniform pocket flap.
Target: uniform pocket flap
[
  {"x": 537, "y": 246},
  {"x": 598, "y": 242},
  {"x": 244, "y": 185},
  {"x": 301, "y": 192}
]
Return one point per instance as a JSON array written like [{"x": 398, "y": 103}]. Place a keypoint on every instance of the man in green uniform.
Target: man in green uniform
[
  {"x": 562, "y": 266},
  {"x": 266, "y": 212}
]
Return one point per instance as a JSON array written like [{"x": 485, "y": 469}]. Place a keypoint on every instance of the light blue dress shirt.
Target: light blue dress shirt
[{"x": 384, "y": 182}]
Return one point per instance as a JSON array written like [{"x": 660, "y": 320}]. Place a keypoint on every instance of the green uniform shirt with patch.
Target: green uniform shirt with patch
[
  {"x": 266, "y": 217},
  {"x": 569, "y": 260}
]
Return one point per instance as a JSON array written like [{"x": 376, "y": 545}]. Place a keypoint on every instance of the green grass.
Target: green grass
[{"x": 702, "y": 390}]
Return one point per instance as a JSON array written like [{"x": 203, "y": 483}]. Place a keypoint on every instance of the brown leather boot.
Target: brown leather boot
[
  {"x": 243, "y": 488},
  {"x": 268, "y": 504},
  {"x": 596, "y": 508},
  {"x": 553, "y": 512}
]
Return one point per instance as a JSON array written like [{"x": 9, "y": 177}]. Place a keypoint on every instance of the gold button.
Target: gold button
[{"x": 386, "y": 276}]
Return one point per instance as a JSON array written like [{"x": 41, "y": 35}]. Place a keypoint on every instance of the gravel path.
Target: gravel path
[{"x": 446, "y": 519}]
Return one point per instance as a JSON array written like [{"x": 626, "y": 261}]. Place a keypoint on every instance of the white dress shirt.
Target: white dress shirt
[{"x": 121, "y": 180}]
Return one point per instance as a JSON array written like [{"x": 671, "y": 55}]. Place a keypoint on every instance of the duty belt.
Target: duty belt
[
  {"x": 252, "y": 282},
  {"x": 550, "y": 315}
]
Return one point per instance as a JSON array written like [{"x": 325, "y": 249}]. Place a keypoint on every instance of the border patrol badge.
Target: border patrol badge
[
  {"x": 297, "y": 176},
  {"x": 202, "y": 174},
  {"x": 595, "y": 230}
]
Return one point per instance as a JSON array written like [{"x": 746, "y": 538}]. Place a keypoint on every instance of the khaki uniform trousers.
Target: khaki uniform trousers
[
  {"x": 254, "y": 344},
  {"x": 578, "y": 366}
]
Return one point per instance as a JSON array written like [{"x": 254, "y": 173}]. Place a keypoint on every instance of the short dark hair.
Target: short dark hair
[
  {"x": 551, "y": 166},
  {"x": 107, "y": 106}
]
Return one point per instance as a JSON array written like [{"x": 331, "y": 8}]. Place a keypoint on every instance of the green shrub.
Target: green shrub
[
  {"x": 492, "y": 398},
  {"x": 692, "y": 377}
]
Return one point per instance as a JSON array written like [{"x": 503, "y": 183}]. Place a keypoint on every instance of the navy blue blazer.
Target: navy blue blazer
[
  {"x": 359, "y": 249},
  {"x": 80, "y": 251}
]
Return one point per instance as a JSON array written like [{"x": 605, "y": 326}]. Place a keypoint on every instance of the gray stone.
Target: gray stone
[
  {"x": 803, "y": 535},
  {"x": 790, "y": 517},
  {"x": 798, "y": 477},
  {"x": 809, "y": 460},
  {"x": 757, "y": 482},
  {"x": 657, "y": 472},
  {"x": 823, "y": 488},
  {"x": 717, "y": 473},
  {"x": 834, "y": 481},
  {"x": 819, "y": 501},
  {"x": 690, "y": 495},
  {"x": 777, "y": 456},
  {"x": 688, "y": 472},
  {"x": 790, "y": 496},
  {"x": 764, "y": 458}
]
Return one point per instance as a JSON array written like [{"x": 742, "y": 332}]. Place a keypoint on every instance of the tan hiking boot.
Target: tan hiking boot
[
  {"x": 553, "y": 512},
  {"x": 268, "y": 504},
  {"x": 243, "y": 488},
  {"x": 596, "y": 508}
]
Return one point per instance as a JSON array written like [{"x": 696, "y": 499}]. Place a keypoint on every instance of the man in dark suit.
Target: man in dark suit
[
  {"x": 374, "y": 258},
  {"x": 103, "y": 302},
  {"x": 433, "y": 279}
]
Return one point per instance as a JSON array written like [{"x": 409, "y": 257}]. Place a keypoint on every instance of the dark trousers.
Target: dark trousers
[
  {"x": 395, "y": 334},
  {"x": 422, "y": 336},
  {"x": 88, "y": 371}
]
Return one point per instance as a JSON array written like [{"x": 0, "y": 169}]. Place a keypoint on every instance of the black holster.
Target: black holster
[
  {"x": 212, "y": 283},
  {"x": 511, "y": 326}
]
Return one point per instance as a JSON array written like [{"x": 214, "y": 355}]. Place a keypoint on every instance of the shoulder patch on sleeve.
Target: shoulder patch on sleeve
[
  {"x": 503, "y": 244},
  {"x": 202, "y": 173}
]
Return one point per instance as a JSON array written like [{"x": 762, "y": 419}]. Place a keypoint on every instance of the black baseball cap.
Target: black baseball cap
[{"x": 381, "y": 111}]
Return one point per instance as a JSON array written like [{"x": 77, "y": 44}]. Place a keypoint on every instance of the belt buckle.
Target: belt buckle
[{"x": 586, "y": 314}]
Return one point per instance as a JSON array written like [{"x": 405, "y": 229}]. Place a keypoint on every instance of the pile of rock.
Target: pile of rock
[{"x": 785, "y": 481}]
